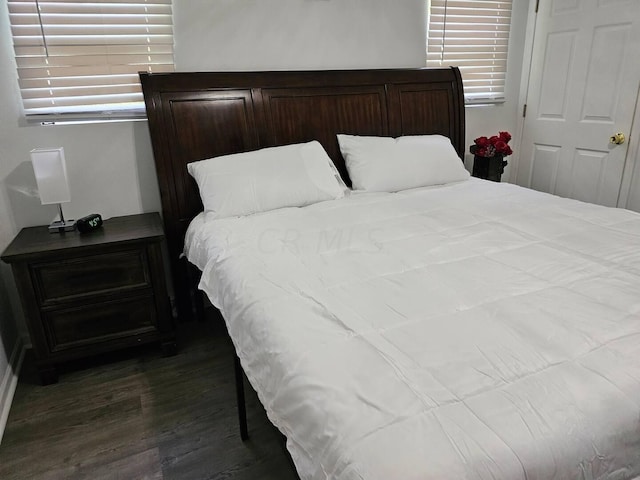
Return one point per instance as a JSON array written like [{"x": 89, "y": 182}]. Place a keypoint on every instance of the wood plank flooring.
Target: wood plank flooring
[{"x": 136, "y": 415}]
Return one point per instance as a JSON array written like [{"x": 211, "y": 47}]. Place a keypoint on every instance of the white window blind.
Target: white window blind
[
  {"x": 473, "y": 35},
  {"x": 79, "y": 56}
]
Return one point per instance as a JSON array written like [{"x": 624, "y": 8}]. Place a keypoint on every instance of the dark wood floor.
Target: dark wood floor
[{"x": 138, "y": 415}]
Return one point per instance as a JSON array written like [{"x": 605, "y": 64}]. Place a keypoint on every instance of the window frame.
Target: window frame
[
  {"x": 99, "y": 47},
  {"x": 493, "y": 37}
]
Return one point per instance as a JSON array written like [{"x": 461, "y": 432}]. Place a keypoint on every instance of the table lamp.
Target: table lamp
[{"x": 53, "y": 187}]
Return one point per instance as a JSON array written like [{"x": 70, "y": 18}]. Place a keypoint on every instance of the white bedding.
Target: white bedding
[{"x": 470, "y": 331}]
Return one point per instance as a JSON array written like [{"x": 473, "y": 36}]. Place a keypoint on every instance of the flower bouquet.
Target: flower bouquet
[
  {"x": 489, "y": 153},
  {"x": 495, "y": 146}
]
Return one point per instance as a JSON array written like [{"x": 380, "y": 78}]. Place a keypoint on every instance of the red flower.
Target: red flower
[
  {"x": 492, "y": 146},
  {"x": 482, "y": 142},
  {"x": 505, "y": 136},
  {"x": 501, "y": 146}
]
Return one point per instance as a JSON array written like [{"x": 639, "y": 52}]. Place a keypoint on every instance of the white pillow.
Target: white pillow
[
  {"x": 385, "y": 164},
  {"x": 262, "y": 180}
]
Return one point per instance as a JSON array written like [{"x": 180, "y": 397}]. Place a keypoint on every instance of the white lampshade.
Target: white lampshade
[{"x": 51, "y": 175}]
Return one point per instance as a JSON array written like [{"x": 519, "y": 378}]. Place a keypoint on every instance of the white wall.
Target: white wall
[
  {"x": 110, "y": 166},
  {"x": 298, "y": 34}
]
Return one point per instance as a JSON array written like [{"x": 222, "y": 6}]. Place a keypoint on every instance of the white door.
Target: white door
[{"x": 584, "y": 81}]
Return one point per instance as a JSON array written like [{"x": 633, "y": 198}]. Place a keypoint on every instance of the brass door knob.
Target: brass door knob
[{"x": 618, "y": 138}]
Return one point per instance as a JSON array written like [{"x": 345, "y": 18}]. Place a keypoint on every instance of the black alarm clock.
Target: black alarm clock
[{"x": 89, "y": 223}]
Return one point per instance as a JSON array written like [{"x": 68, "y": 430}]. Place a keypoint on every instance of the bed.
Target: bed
[{"x": 464, "y": 330}]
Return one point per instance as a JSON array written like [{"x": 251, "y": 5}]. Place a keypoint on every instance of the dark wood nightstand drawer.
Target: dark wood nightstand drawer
[
  {"x": 89, "y": 275},
  {"x": 88, "y": 324}
]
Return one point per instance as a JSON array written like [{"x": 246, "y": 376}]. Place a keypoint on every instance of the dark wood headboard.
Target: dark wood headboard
[{"x": 193, "y": 116}]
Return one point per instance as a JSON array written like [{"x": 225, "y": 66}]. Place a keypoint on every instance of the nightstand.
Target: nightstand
[
  {"x": 489, "y": 168},
  {"x": 95, "y": 292}
]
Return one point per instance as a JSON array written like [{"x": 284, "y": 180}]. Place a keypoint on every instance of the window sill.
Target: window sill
[
  {"x": 49, "y": 120},
  {"x": 486, "y": 103}
]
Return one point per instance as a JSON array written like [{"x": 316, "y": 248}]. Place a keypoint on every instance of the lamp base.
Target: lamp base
[{"x": 60, "y": 226}]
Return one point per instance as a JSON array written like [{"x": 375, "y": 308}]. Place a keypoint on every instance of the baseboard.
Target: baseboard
[{"x": 10, "y": 382}]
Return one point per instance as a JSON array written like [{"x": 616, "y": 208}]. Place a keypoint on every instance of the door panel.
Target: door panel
[
  {"x": 582, "y": 89},
  {"x": 545, "y": 167},
  {"x": 606, "y": 70},
  {"x": 565, "y": 6},
  {"x": 587, "y": 174},
  {"x": 555, "y": 84}
]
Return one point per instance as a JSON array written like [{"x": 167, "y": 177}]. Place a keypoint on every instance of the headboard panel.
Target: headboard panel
[
  {"x": 193, "y": 116},
  {"x": 319, "y": 113},
  {"x": 425, "y": 106},
  {"x": 201, "y": 125}
]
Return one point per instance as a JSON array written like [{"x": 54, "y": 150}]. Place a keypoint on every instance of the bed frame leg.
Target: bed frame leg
[
  {"x": 242, "y": 410},
  {"x": 195, "y": 295}
]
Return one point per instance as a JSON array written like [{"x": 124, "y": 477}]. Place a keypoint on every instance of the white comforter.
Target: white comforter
[{"x": 470, "y": 331}]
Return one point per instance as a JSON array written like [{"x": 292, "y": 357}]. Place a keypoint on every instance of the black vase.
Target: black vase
[{"x": 489, "y": 168}]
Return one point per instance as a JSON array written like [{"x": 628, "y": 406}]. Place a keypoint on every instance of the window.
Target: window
[
  {"x": 83, "y": 57},
  {"x": 473, "y": 35}
]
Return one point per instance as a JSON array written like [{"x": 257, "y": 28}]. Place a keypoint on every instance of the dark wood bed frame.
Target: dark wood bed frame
[{"x": 193, "y": 116}]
